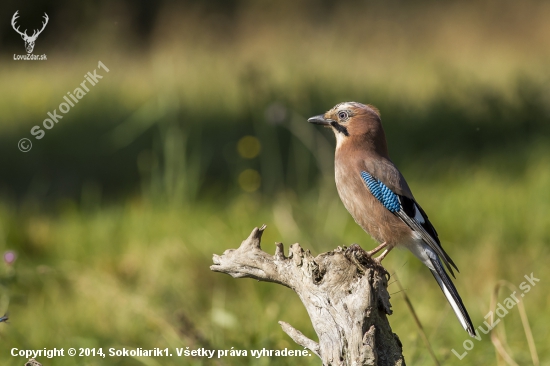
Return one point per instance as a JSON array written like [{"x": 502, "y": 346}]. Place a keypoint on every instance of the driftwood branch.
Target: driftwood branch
[{"x": 344, "y": 292}]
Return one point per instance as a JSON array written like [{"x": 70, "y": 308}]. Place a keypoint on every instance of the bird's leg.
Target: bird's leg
[
  {"x": 382, "y": 256},
  {"x": 377, "y": 249}
]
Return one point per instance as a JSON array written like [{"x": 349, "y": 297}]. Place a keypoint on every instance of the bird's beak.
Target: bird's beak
[{"x": 319, "y": 120}]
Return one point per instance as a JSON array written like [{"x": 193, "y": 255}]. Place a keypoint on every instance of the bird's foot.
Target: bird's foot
[
  {"x": 377, "y": 249},
  {"x": 363, "y": 259},
  {"x": 358, "y": 256},
  {"x": 381, "y": 257},
  {"x": 355, "y": 248}
]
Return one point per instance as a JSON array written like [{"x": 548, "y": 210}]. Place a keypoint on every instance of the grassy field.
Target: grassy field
[
  {"x": 191, "y": 141},
  {"x": 136, "y": 275}
]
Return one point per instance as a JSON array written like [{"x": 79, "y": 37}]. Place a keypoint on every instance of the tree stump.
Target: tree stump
[{"x": 344, "y": 292}]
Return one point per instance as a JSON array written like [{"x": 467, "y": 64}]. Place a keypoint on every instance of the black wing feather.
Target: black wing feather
[{"x": 425, "y": 229}]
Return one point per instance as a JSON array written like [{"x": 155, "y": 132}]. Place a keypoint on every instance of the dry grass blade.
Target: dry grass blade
[
  {"x": 500, "y": 346},
  {"x": 417, "y": 321}
]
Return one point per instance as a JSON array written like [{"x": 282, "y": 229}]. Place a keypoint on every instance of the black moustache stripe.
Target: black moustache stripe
[{"x": 339, "y": 128}]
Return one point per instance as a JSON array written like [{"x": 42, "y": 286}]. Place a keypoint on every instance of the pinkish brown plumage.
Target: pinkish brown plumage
[{"x": 379, "y": 199}]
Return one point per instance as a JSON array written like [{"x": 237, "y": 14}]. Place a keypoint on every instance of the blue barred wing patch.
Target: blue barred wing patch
[{"x": 382, "y": 193}]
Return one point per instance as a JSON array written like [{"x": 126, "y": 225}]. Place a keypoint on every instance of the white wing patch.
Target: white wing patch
[
  {"x": 418, "y": 215},
  {"x": 419, "y": 219}
]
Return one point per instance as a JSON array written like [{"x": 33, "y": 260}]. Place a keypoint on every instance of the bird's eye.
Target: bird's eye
[{"x": 343, "y": 115}]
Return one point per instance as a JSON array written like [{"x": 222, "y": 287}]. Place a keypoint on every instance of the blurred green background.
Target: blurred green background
[{"x": 198, "y": 133}]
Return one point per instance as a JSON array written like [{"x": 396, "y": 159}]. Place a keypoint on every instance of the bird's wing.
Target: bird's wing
[{"x": 394, "y": 194}]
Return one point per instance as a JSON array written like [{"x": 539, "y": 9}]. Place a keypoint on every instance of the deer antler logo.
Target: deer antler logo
[{"x": 29, "y": 41}]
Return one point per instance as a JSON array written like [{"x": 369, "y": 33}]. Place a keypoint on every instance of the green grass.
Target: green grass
[
  {"x": 137, "y": 275},
  {"x": 116, "y": 213}
]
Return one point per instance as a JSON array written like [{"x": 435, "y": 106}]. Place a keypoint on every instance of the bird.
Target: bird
[{"x": 379, "y": 199}]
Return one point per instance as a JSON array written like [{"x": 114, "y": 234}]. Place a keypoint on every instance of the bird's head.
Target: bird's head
[{"x": 355, "y": 124}]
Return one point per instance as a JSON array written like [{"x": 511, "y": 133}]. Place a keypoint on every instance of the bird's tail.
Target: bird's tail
[{"x": 450, "y": 292}]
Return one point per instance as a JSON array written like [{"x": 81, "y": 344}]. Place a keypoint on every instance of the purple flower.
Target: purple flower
[{"x": 9, "y": 257}]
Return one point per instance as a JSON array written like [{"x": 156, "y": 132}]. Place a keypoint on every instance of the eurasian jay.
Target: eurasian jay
[{"x": 379, "y": 199}]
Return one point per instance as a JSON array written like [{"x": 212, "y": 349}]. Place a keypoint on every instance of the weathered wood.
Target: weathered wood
[{"x": 344, "y": 292}]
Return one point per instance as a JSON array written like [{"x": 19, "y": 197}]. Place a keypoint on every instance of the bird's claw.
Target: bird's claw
[
  {"x": 354, "y": 248},
  {"x": 358, "y": 256},
  {"x": 363, "y": 259}
]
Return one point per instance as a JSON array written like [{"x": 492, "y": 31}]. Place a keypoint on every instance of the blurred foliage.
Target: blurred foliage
[
  {"x": 198, "y": 133},
  {"x": 133, "y": 275},
  {"x": 171, "y": 115},
  {"x": 185, "y": 153}
]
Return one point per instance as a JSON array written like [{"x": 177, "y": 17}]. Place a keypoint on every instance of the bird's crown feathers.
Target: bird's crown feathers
[{"x": 354, "y": 108}]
